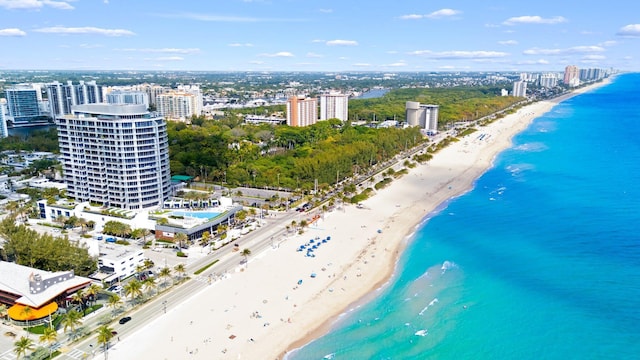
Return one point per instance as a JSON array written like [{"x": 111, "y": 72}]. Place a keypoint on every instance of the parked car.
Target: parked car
[
  {"x": 115, "y": 288},
  {"x": 124, "y": 320}
]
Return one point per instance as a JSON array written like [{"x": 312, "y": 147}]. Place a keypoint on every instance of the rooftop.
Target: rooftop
[{"x": 36, "y": 287}]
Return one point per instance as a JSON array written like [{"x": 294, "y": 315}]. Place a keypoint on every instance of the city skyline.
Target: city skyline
[{"x": 257, "y": 35}]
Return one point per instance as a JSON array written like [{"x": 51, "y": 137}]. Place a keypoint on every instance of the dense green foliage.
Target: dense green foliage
[
  {"x": 283, "y": 156},
  {"x": 456, "y": 104},
  {"x": 36, "y": 141},
  {"x": 43, "y": 251}
]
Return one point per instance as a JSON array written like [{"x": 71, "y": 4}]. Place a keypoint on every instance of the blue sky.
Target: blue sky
[{"x": 309, "y": 35}]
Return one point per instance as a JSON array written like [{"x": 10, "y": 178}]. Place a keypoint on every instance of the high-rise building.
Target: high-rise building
[
  {"x": 520, "y": 89},
  {"x": 571, "y": 76},
  {"x": 423, "y": 116},
  {"x": 128, "y": 97},
  {"x": 302, "y": 111},
  {"x": 548, "y": 80},
  {"x": 23, "y": 107},
  {"x": 3, "y": 119},
  {"x": 62, "y": 97},
  {"x": 179, "y": 105},
  {"x": 115, "y": 155},
  {"x": 334, "y": 106}
]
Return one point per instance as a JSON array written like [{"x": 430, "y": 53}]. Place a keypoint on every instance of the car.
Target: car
[
  {"x": 115, "y": 288},
  {"x": 125, "y": 320}
]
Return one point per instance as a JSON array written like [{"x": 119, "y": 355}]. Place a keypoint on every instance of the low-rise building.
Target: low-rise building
[{"x": 32, "y": 294}]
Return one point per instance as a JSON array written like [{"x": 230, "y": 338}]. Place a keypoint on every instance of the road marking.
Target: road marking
[{"x": 8, "y": 355}]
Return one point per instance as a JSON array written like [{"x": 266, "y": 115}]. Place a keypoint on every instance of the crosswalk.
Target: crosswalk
[
  {"x": 77, "y": 354},
  {"x": 8, "y": 355}
]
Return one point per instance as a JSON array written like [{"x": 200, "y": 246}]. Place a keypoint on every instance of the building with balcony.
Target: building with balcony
[
  {"x": 334, "y": 106},
  {"x": 423, "y": 116},
  {"x": 302, "y": 111},
  {"x": 115, "y": 156}
]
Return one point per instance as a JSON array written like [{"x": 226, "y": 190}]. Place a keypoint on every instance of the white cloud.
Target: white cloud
[
  {"x": 392, "y": 52},
  {"x": 397, "y": 64},
  {"x": 632, "y": 30},
  {"x": 411, "y": 17},
  {"x": 342, "y": 43},
  {"x": 256, "y": 62},
  {"x": 608, "y": 43},
  {"x": 279, "y": 54},
  {"x": 35, "y": 4},
  {"x": 326, "y": 11},
  {"x": 12, "y": 32},
  {"x": 85, "y": 30},
  {"x": 225, "y": 18},
  {"x": 164, "y": 50},
  {"x": 90, "y": 46},
  {"x": 318, "y": 41},
  {"x": 434, "y": 15},
  {"x": 594, "y": 57},
  {"x": 508, "y": 42},
  {"x": 459, "y": 54},
  {"x": 567, "y": 51},
  {"x": 361, "y": 64},
  {"x": 442, "y": 13},
  {"x": 169, "y": 58},
  {"x": 533, "y": 62},
  {"x": 534, "y": 20},
  {"x": 241, "y": 45},
  {"x": 314, "y": 55}
]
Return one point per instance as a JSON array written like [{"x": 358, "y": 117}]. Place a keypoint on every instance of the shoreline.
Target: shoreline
[
  {"x": 282, "y": 300},
  {"x": 327, "y": 325}
]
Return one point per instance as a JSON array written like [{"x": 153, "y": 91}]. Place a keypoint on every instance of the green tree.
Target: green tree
[
  {"x": 164, "y": 273},
  {"x": 245, "y": 253},
  {"x": 181, "y": 238},
  {"x": 105, "y": 334},
  {"x": 92, "y": 292},
  {"x": 149, "y": 283},
  {"x": 23, "y": 346},
  {"x": 114, "y": 302},
  {"x": 50, "y": 336},
  {"x": 78, "y": 297},
  {"x": 72, "y": 320},
  {"x": 180, "y": 269},
  {"x": 133, "y": 289}
]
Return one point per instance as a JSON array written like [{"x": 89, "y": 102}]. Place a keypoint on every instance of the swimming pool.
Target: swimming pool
[{"x": 196, "y": 214}]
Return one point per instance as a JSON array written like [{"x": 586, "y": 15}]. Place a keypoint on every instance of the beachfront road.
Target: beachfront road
[{"x": 266, "y": 238}]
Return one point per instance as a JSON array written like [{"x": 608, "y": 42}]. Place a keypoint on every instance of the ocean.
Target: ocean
[{"x": 540, "y": 260}]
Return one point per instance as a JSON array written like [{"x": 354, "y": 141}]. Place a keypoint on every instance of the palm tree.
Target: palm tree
[
  {"x": 245, "y": 253},
  {"x": 82, "y": 222},
  {"x": 50, "y": 336},
  {"x": 72, "y": 320},
  {"x": 22, "y": 346},
  {"x": 92, "y": 292},
  {"x": 149, "y": 283},
  {"x": 165, "y": 272},
  {"x": 148, "y": 264},
  {"x": 181, "y": 269},
  {"x": 114, "y": 302},
  {"x": 105, "y": 334},
  {"x": 133, "y": 289},
  {"x": 26, "y": 311},
  {"x": 206, "y": 237},
  {"x": 3, "y": 311},
  {"x": 78, "y": 297},
  {"x": 181, "y": 238}
]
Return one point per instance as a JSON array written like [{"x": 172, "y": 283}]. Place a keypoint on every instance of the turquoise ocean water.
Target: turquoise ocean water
[{"x": 541, "y": 260}]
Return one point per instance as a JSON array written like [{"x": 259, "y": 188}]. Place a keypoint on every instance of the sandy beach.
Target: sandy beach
[{"x": 283, "y": 299}]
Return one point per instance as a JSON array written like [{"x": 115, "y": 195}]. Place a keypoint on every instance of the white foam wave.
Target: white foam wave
[
  {"x": 422, "y": 332},
  {"x": 431, "y": 303},
  {"x": 447, "y": 265}
]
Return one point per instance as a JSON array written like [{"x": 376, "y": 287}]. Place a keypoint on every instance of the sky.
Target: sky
[{"x": 310, "y": 35}]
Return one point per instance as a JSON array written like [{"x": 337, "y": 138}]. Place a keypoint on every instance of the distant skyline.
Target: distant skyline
[{"x": 330, "y": 36}]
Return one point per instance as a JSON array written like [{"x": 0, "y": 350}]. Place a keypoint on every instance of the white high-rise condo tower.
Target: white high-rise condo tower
[{"x": 115, "y": 155}]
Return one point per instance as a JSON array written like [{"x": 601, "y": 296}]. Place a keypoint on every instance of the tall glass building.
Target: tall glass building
[{"x": 115, "y": 155}]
